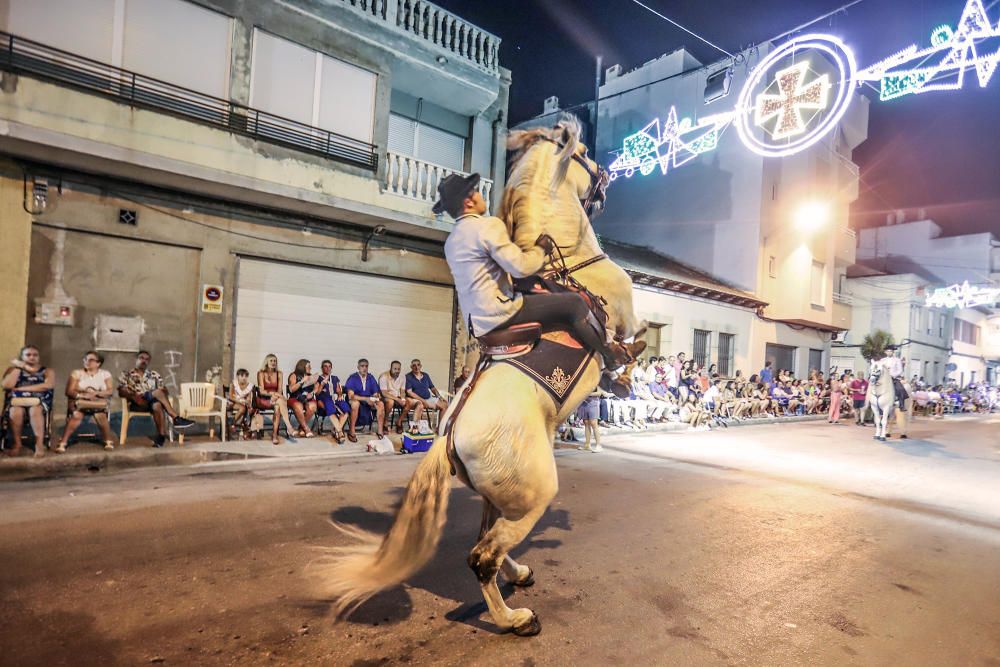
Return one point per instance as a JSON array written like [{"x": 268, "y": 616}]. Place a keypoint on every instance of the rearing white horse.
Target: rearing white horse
[
  {"x": 503, "y": 440},
  {"x": 881, "y": 397}
]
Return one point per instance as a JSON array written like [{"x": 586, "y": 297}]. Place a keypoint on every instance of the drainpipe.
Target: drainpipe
[{"x": 497, "y": 123}]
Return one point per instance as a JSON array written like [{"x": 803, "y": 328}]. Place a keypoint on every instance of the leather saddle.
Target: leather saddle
[{"x": 514, "y": 340}]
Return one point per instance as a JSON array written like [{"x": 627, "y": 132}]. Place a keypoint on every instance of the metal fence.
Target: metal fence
[{"x": 24, "y": 56}]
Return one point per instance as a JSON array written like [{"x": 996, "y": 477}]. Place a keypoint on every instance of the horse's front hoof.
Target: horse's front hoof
[
  {"x": 527, "y": 581},
  {"x": 529, "y": 629}
]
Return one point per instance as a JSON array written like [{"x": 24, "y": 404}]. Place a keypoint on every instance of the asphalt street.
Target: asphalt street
[{"x": 747, "y": 546}]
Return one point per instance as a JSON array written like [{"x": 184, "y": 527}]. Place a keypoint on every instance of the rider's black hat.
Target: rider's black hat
[
  {"x": 889, "y": 348},
  {"x": 452, "y": 191}
]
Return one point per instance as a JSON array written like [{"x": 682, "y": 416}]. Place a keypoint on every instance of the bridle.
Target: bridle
[
  {"x": 593, "y": 203},
  {"x": 597, "y": 195}
]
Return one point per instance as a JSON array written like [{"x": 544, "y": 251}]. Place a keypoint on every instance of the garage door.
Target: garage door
[{"x": 298, "y": 312}]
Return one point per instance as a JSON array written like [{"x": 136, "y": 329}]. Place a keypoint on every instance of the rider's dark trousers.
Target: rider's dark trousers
[
  {"x": 564, "y": 311},
  {"x": 901, "y": 394}
]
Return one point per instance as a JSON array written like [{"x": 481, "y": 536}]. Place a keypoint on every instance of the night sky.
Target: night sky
[{"x": 939, "y": 150}]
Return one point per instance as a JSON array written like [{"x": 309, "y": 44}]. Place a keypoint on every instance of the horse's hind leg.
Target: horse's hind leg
[
  {"x": 486, "y": 559},
  {"x": 519, "y": 575}
]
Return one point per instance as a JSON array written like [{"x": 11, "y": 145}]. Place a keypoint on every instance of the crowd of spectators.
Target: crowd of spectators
[
  {"x": 664, "y": 389},
  {"x": 675, "y": 389},
  {"x": 305, "y": 396}
]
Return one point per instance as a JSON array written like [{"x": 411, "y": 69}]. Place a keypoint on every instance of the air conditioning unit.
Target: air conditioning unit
[{"x": 838, "y": 336}]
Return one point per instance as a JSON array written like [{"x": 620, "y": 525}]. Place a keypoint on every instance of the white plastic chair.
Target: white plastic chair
[
  {"x": 128, "y": 414},
  {"x": 198, "y": 401}
]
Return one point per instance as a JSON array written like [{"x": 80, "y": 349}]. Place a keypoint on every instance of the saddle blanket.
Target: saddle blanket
[{"x": 554, "y": 366}]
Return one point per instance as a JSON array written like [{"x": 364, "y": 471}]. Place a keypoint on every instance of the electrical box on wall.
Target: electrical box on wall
[
  {"x": 57, "y": 312},
  {"x": 115, "y": 333}
]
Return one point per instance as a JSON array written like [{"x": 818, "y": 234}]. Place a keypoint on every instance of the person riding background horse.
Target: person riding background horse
[
  {"x": 894, "y": 365},
  {"x": 481, "y": 254}
]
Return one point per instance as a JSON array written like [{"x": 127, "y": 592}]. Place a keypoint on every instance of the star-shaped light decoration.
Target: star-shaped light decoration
[{"x": 794, "y": 96}]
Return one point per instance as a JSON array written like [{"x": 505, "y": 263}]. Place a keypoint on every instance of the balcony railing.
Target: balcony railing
[
  {"x": 845, "y": 299},
  {"x": 24, "y": 56},
  {"x": 409, "y": 177},
  {"x": 434, "y": 24}
]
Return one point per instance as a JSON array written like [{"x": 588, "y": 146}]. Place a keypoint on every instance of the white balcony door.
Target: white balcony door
[
  {"x": 426, "y": 143},
  {"x": 49, "y": 21},
  {"x": 178, "y": 42},
  {"x": 295, "y": 82},
  {"x": 172, "y": 40}
]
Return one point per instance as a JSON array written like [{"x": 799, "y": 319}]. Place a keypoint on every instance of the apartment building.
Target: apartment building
[{"x": 216, "y": 180}]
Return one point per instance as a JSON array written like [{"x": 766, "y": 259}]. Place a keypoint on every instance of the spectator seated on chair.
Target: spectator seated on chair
[
  {"x": 28, "y": 386},
  {"x": 420, "y": 388},
  {"x": 241, "y": 402},
  {"x": 143, "y": 389},
  {"x": 330, "y": 400},
  {"x": 460, "y": 380},
  {"x": 302, "y": 384},
  {"x": 89, "y": 391},
  {"x": 365, "y": 401},
  {"x": 392, "y": 386},
  {"x": 271, "y": 400}
]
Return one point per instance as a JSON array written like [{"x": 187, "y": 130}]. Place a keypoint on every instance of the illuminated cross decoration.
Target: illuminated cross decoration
[{"x": 794, "y": 96}]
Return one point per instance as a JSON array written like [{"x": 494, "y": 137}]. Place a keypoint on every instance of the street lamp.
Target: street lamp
[{"x": 812, "y": 215}]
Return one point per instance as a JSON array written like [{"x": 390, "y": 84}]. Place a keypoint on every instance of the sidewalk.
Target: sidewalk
[{"x": 89, "y": 457}]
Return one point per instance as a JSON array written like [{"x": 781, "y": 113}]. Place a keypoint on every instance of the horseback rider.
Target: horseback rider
[
  {"x": 894, "y": 366},
  {"x": 482, "y": 257}
]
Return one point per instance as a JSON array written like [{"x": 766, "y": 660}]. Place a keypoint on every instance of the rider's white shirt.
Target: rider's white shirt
[
  {"x": 894, "y": 365},
  {"x": 481, "y": 254}
]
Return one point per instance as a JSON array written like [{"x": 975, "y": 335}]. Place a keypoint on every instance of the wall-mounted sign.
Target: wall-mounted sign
[
  {"x": 211, "y": 298},
  {"x": 963, "y": 296},
  {"x": 801, "y": 90}
]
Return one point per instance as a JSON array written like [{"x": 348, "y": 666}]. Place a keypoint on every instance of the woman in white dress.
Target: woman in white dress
[{"x": 89, "y": 390}]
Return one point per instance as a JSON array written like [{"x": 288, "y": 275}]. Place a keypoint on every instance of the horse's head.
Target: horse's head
[
  {"x": 876, "y": 373},
  {"x": 572, "y": 170}
]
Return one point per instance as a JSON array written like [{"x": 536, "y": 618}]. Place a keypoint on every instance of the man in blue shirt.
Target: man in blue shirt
[
  {"x": 365, "y": 400},
  {"x": 767, "y": 375},
  {"x": 420, "y": 388}
]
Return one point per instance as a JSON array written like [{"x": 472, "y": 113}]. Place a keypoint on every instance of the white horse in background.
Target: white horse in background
[
  {"x": 503, "y": 437},
  {"x": 881, "y": 397}
]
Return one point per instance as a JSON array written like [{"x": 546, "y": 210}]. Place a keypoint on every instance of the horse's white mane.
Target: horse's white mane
[{"x": 538, "y": 196}]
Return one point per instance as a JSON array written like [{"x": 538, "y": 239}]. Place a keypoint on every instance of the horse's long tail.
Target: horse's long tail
[{"x": 352, "y": 574}]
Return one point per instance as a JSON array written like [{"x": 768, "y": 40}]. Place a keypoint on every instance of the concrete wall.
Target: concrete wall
[
  {"x": 951, "y": 259},
  {"x": 15, "y": 229},
  {"x": 155, "y": 270}
]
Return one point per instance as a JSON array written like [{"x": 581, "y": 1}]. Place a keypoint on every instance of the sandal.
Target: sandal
[
  {"x": 310, "y": 434},
  {"x": 274, "y": 440},
  {"x": 352, "y": 437}
]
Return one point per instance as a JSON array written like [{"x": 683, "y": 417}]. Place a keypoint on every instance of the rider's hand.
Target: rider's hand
[{"x": 545, "y": 242}]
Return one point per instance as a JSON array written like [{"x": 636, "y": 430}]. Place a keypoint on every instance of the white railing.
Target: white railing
[
  {"x": 434, "y": 24},
  {"x": 409, "y": 177},
  {"x": 845, "y": 299}
]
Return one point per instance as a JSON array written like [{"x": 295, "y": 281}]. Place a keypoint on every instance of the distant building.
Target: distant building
[{"x": 899, "y": 266}]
